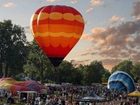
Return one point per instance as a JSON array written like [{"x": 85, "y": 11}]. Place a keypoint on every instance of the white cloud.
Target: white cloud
[
  {"x": 114, "y": 44},
  {"x": 28, "y": 33},
  {"x": 9, "y": 5},
  {"x": 74, "y": 1},
  {"x": 52, "y": 0},
  {"x": 136, "y": 10},
  {"x": 115, "y": 19},
  {"x": 89, "y": 9},
  {"x": 93, "y": 3},
  {"x": 96, "y": 2}
]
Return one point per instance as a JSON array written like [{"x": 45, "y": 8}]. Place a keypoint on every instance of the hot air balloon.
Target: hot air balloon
[
  {"x": 121, "y": 81},
  {"x": 56, "y": 29}
]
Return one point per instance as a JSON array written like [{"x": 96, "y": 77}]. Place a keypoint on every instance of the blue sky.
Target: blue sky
[{"x": 111, "y": 31}]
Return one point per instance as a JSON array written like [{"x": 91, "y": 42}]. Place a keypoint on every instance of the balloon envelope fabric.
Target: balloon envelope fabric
[
  {"x": 121, "y": 81},
  {"x": 56, "y": 29},
  {"x": 13, "y": 86},
  {"x": 6, "y": 83}
]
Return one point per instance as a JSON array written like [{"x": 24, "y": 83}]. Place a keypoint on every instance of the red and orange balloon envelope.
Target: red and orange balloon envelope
[{"x": 57, "y": 29}]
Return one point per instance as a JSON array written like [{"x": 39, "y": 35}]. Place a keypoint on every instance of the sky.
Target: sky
[{"x": 111, "y": 33}]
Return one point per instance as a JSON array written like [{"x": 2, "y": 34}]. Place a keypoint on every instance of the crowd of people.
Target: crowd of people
[{"x": 72, "y": 95}]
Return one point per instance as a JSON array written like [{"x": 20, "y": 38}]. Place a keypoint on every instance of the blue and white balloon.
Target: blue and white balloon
[{"x": 121, "y": 81}]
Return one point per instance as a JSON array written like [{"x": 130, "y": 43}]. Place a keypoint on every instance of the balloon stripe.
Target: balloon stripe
[
  {"x": 68, "y": 35},
  {"x": 58, "y": 16},
  {"x": 59, "y": 41},
  {"x": 34, "y": 21},
  {"x": 56, "y": 51},
  {"x": 58, "y": 22},
  {"x": 40, "y": 9},
  {"x": 58, "y": 8},
  {"x": 59, "y": 28}
]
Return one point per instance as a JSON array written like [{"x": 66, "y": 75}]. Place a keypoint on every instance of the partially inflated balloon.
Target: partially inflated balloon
[
  {"x": 57, "y": 29},
  {"x": 121, "y": 81}
]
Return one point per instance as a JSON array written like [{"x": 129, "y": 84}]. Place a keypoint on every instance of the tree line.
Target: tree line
[{"x": 20, "y": 58}]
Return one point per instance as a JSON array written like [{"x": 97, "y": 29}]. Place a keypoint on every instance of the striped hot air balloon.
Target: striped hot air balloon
[{"x": 57, "y": 29}]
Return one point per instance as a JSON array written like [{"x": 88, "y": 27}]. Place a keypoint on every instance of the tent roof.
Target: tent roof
[{"x": 134, "y": 94}]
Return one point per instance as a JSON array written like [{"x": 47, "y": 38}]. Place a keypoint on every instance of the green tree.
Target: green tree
[
  {"x": 105, "y": 75},
  {"x": 136, "y": 72},
  {"x": 38, "y": 66},
  {"x": 67, "y": 73},
  {"x": 125, "y": 66},
  {"x": 82, "y": 70},
  {"x": 77, "y": 76},
  {"x": 13, "y": 48},
  {"x": 64, "y": 72},
  {"x": 93, "y": 73}
]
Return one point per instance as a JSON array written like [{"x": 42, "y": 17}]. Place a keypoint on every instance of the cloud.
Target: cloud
[
  {"x": 9, "y": 5},
  {"x": 96, "y": 2},
  {"x": 74, "y": 1},
  {"x": 86, "y": 37},
  {"x": 52, "y": 0},
  {"x": 109, "y": 63},
  {"x": 115, "y": 43},
  {"x": 89, "y": 9},
  {"x": 28, "y": 33},
  {"x": 136, "y": 10},
  {"x": 116, "y": 36},
  {"x": 116, "y": 19},
  {"x": 95, "y": 37}
]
